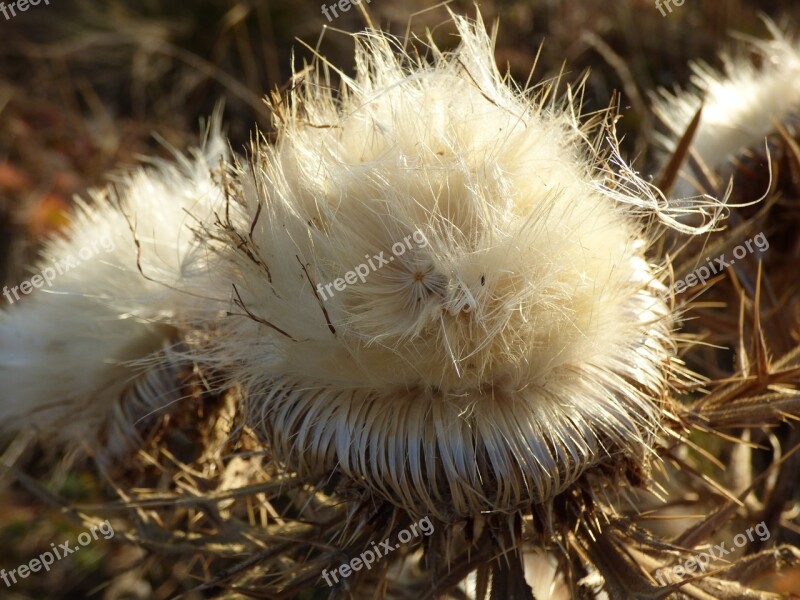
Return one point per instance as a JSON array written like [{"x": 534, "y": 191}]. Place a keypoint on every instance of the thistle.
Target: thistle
[
  {"x": 435, "y": 295},
  {"x": 739, "y": 107},
  {"x": 509, "y": 337},
  {"x": 107, "y": 326}
]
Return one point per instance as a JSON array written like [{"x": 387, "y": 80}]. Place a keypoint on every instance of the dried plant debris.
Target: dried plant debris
[{"x": 435, "y": 338}]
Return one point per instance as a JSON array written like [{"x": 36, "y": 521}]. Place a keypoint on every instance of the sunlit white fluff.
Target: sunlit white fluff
[
  {"x": 523, "y": 346},
  {"x": 740, "y": 105},
  {"x": 81, "y": 361},
  {"x": 527, "y": 341}
]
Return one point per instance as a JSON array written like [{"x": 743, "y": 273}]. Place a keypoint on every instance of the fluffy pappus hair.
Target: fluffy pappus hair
[
  {"x": 511, "y": 338},
  {"x": 740, "y": 105},
  {"x": 83, "y": 359}
]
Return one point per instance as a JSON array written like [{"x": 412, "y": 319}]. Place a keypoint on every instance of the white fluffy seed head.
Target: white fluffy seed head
[
  {"x": 525, "y": 341},
  {"x": 740, "y": 105},
  {"x": 87, "y": 354}
]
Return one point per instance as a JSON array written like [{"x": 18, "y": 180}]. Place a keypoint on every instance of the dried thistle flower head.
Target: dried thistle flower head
[
  {"x": 435, "y": 283},
  {"x": 89, "y": 354},
  {"x": 740, "y": 106},
  {"x": 441, "y": 287},
  {"x": 433, "y": 287}
]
